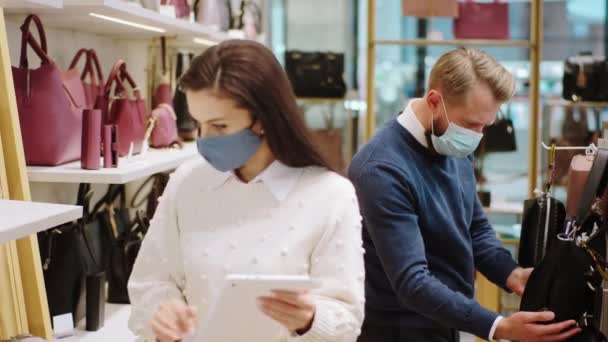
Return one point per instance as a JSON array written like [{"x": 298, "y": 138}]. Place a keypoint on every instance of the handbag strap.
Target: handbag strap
[
  {"x": 118, "y": 74},
  {"x": 163, "y": 52},
  {"x": 91, "y": 68},
  {"x": 27, "y": 38},
  {"x": 596, "y": 184},
  {"x": 78, "y": 56}
]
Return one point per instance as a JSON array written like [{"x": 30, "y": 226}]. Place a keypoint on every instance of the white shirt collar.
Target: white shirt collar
[
  {"x": 409, "y": 121},
  {"x": 279, "y": 178}
]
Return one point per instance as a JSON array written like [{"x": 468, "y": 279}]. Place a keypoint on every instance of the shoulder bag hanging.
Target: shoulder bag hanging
[{"x": 50, "y": 104}]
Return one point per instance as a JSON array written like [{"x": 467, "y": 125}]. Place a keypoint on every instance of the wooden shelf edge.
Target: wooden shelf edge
[{"x": 456, "y": 42}]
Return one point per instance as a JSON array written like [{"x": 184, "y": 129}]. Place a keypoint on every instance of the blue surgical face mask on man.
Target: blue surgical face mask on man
[
  {"x": 456, "y": 141},
  {"x": 229, "y": 152}
]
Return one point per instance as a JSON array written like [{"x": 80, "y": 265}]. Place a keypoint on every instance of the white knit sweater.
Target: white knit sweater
[{"x": 292, "y": 221}]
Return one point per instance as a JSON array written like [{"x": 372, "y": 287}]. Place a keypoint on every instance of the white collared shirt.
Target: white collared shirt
[
  {"x": 409, "y": 121},
  {"x": 287, "y": 221},
  {"x": 279, "y": 178}
]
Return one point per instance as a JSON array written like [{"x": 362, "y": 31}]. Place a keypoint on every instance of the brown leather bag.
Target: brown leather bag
[
  {"x": 127, "y": 112},
  {"x": 580, "y": 167},
  {"x": 329, "y": 143},
  {"x": 92, "y": 69},
  {"x": 49, "y": 102},
  {"x": 430, "y": 8}
]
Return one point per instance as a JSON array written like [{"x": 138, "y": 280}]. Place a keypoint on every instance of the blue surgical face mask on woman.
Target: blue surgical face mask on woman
[
  {"x": 456, "y": 141},
  {"x": 229, "y": 152}
]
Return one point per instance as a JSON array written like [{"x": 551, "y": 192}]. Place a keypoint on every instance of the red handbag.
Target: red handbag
[
  {"x": 128, "y": 114},
  {"x": 163, "y": 90},
  {"x": 482, "y": 20},
  {"x": 182, "y": 9},
  {"x": 95, "y": 88},
  {"x": 50, "y": 104},
  {"x": 164, "y": 127}
]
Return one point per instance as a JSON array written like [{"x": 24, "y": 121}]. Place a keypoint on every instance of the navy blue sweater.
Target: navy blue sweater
[{"x": 425, "y": 233}]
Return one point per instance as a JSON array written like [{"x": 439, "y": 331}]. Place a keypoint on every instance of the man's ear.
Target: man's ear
[{"x": 433, "y": 101}]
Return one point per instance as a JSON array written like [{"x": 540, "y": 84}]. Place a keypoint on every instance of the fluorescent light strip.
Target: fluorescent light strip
[
  {"x": 204, "y": 41},
  {"x": 128, "y": 23}
]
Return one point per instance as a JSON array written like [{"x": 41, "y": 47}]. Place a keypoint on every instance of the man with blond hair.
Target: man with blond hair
[{"x": 425, "y": 230}]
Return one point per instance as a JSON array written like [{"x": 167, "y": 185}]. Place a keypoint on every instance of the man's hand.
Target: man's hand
[
  {"x": 518, "y": 279},
  {"x": 533, "y": 327}
]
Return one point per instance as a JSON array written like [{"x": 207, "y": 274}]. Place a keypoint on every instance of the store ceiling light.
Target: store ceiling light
[
  {"x": 204, "y": 41},
  {"x": 128, "y": 23}
]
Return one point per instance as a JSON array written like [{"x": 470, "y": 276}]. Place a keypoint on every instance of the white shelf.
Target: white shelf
[
  {"x": 505, "y": 208},
  {"x": 115, "y": 327},
  {"x": 138, "y": 167},
  {"x": 31, "y": 4},
  {"x": 76, "y": 15},
  {"x": 21, "y": 219}
]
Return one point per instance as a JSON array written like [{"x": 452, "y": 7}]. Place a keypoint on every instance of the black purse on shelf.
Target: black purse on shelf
[
  {"x": 187, "y": 126},
  {"x": 584, "y": 78},
  {"x": 316, "y": 74},
  {"x": 500, "y": 136},
  {"x": 69, "y": 253},
  {"x": 125, "y": 228}
]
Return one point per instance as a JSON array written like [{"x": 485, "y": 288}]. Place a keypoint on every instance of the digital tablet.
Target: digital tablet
[{"x": 235, "y": 316}]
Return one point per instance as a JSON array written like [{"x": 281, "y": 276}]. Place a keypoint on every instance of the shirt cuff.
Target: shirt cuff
[{"x": 494, "y": 326}]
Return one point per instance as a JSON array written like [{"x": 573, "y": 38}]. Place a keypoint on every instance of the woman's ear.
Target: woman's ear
[{"x": 258, "y": 129}]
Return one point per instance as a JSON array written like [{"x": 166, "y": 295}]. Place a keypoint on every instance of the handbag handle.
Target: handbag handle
[
  {"x": 596, "y": 184},
  {"x": 91, "y": 61},
  {"x": 163, "y": 51},
  {"x": 27, "y": 38},
  {"x": 118, "y": 74}
]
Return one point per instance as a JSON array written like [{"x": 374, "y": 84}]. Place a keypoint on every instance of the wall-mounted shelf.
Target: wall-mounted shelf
[
  {"x": 32, "y": 4},
  {"x": 456, "y": 42},
  {"x": 138, "y": 167},
  {"x": 20, "y": 219},
  {"x": 119, "y": 18}
]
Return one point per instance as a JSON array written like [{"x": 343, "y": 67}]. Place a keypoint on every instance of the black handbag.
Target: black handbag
[
  {"x": 500, "y": 136},
  {"x": 69, "y": 253},
  {"x": 583, "y": 79},
  {"x": 316, "y": 74},
  {"x": 576, "y": 266},
  {"x": 126, "y": 228},
  {"x": 543, "y": 218},
  {"x": 187, "y": 127}
]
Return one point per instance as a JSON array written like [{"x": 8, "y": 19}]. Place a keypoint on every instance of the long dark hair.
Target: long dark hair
[{"x": 249, "y": 73}]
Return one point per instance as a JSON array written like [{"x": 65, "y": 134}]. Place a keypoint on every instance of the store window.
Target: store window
[{"x": 568, "y": 28}]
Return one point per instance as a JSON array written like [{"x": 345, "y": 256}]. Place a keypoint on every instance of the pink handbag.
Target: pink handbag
[
  {"x": 126, "y": 112},
  {"x": 482, "y": 20},
  {"x": 182, "y": 8},
  {"x": 164, "y": 127},
  {"x": 430, "y": 8},
  {"x": 50, "y": 104},
  {"x": 95, "y": 88}
]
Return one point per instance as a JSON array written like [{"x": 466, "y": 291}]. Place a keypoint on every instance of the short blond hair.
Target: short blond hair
[{"x": 457, "y": 71}]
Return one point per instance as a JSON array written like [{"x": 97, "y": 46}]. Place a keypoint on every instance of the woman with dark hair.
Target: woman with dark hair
[{"x": 262, "y": 200}]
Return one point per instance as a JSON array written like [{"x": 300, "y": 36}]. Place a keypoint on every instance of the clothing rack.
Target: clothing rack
[{"x": 590, "y": 149}]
